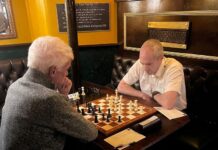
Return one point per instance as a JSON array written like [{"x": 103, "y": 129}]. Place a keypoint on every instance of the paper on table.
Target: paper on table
[
  {"x": 124, "y": 138},
  {"x": 170, "y": 113}
]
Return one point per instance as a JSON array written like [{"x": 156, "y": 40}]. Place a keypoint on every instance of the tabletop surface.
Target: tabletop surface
[{"x": 153, "y": 136}]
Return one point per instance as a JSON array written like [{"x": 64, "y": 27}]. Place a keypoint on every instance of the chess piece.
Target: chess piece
[
  {"x": 116, "y": 94},
  {"x": 93, "y": 111},
  {"x": 96, "y": 118},
  {"x": 109, "y": 113},
  {"x": 89, "y": 109},
  {"x": 119, "y": 119},
  {"x": 121, "y": 97},
  {"x": 136, "y": 105},
  {"x": 103, "y": 118},
  {"x": 107, "y": 97},
  {"x": 108, "y": 118},
  {"x": 83, "y": 91},
  {"x": 83, "y": 95},
  {"x": 119, "y": 109},
  {"x": 99, "y": 109},
  {"x": 83, "y": 112},
  {"x": 141, "y": 108},
  {"x": 78, "y": 110},
  {"x": 77, "y": 106}
]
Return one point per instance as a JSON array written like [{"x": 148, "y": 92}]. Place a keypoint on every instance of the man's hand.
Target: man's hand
[
  {"x": 65, "y": 86},
  {"x": 145, "y": 96}
]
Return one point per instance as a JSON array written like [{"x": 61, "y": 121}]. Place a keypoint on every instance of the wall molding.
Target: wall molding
[{"x": 179, "y": 13}]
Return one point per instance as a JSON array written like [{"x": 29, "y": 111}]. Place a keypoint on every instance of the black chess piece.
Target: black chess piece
[
  {"x": 103, "y": 118},
  {"x": 77, "y": 106},
  {"x": 109, "y": 113},
  {"x": 83, "y": 112},
  {"x": 93, "y": 111},
  {"x": 89, "y": 109},
  {"x": 108, "y": 118},
  {"x": 99, "y": 109},
  {"x": 96, "y": 118},
  {"x": 119, "y": 119},
  {"x": 78, "y": 110},
  {"x": 77, "y": 103}
]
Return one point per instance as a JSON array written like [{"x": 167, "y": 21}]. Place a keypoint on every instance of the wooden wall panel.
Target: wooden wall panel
[{"x": 203, "y": 32}]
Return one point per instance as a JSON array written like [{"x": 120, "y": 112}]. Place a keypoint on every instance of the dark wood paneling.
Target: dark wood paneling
[
  {"x": 200, "y": 5},
  {"x": 203, "y": 37},
  {"x": 145, "y": 6}
]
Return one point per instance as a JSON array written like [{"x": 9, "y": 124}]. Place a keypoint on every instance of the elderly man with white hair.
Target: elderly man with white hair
[{"x": 36, "y": 114}]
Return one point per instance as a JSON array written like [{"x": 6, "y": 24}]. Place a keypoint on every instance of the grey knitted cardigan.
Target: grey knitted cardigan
[{"x": 36, "y": 117}]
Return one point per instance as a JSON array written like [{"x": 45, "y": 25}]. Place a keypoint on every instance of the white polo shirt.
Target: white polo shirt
[{"x": 169, "y": 77}]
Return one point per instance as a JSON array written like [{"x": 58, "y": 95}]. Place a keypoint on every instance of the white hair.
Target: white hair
[{"x": 48, "y": 51}]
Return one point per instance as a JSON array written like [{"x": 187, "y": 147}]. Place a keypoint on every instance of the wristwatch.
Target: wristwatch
[{"x": 154, "y": 93}]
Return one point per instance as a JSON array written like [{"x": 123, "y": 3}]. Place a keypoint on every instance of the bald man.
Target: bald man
[{"x": 161, "y": 79}]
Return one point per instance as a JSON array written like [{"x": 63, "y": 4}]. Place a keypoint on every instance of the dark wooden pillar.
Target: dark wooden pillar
[{"x": 73, "y": 41}]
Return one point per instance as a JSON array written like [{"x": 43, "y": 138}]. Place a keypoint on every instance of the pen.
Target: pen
[{"x": 122, "y": 146}]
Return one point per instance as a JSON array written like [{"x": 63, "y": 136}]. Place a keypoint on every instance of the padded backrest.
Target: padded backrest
[
  {"x": 201, "y": 88},
  {"x": 120, "y": 68},
  {"x": 10, "y": 71}
]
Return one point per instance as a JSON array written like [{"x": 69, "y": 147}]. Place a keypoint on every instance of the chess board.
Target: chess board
[{"x": 127, "y": 115}]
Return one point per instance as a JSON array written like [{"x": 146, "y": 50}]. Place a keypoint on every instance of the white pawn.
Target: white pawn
[
  {"x": 141, "y": 108},
  {"x": 83, "y": 91},
  {"x": 119, "y": 110},
  {"x": 121, "y": 98},
  {"x": 136, "y": 105},
  {"x": 107, "y": 97},
  {"x": 116, "y": 93}
]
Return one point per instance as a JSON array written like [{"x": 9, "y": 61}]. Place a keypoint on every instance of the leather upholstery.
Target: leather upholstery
[
  {"x": 10, "y": 71},
  {"x": 201, "y": 90},
  {"x": 120, "y": 68}
]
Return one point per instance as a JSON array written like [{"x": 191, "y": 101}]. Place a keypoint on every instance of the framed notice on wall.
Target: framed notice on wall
[{"x": 89, "y": 16}]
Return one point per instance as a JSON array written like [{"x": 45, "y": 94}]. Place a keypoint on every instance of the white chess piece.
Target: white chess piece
[
  {"x": 83, "y": 91},
  {"x": 136, "y": 105},
  {"x": 116, "y": 94},
  {"x": 141, "y": 108},
  {"x": 121, "y": 98}
]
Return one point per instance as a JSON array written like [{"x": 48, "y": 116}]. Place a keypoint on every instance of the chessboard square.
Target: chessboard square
[
  {"x": 107, "y": 127},
  {"x": 125, "y": 110},
  {"x": 99, "y": 116},
  {"x": 113, "y": 119},
  {"x": 142, "y": 112},
  {"x": 105, "y": 106},
  {"x": 125, "y": 119},
  {"x": 113, "y": 124},
  {"x": 102, "y": 101},
  {"x": 91, "y": 119},
  {"x": 130, "y": 116},
  {"x": 101, "y": 105},
  {"x": 130, "y": 112},
  {"x": 115, "y": 114},
  {"x": 124, "y": 105},
  {"x": 135, "y": 114},
  {"x": 87, "y": 116},
  {"x": 95, "y": 103},
  {"x": 101, "y": 124},
  {"x": 124, "y": 114}
]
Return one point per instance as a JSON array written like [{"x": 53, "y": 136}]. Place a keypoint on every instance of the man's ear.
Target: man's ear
[{"x": 52, "y": 71}]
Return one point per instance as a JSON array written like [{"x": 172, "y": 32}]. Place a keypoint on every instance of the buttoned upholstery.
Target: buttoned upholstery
[
  {"x": 202, "y": 93},
  {"x": 120, "y": 68},
  {"x": 10, "y": 71}
]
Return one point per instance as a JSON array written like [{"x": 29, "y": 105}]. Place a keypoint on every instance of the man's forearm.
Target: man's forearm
[{"x": 129, "y": 90}]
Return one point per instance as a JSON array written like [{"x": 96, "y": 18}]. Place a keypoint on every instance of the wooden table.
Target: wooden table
[{"x": 167, "y": 127}]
